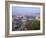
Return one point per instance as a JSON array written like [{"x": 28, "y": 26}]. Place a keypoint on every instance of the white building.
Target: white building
[{"x": 37, "y": 17}]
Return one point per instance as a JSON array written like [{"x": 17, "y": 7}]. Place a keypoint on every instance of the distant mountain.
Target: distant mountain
[
  {"x": 31, "y": 14},
  {"x": 36, "y": 14}
]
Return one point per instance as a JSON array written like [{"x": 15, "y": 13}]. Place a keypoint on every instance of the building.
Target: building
[{"x": 37, "y": 17}]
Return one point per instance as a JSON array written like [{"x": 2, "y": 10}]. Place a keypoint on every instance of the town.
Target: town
[{"x": 21, "y": 23}]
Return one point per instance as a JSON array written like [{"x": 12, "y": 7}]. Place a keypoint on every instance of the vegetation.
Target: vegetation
[
  {"x": 29, "y": 25},
  {"x": 33, "y": 25}
]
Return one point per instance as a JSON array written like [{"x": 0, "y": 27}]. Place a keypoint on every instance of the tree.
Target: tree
[
  {"x": 32, "y": 25},
  {"x": 35, "y": 25}
]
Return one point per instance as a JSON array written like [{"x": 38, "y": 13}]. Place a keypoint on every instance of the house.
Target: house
[{"x": 37, "y": 17}]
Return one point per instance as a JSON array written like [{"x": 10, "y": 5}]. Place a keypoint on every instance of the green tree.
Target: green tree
[{"x": 35, "y": 25}]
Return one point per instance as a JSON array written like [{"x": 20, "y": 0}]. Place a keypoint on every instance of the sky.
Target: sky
[{"x": 21, "y": 11}]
